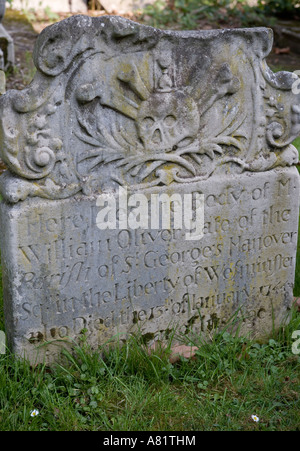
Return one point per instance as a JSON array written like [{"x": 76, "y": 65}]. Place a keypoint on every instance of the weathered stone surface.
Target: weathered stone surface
[
  {"x": 115, "y": 104},
  {"x": 2, "y": 82}
]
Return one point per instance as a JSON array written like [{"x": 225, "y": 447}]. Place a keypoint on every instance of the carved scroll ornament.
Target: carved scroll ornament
[{"x": 117, "y": 103}]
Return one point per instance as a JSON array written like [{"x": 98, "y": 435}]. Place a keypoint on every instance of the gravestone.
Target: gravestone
[{"x": 151, "y": 188}]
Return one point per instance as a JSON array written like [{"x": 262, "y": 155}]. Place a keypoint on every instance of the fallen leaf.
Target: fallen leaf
[
  {"x": 282, "y": 51},
  {"x": 188, "y": 352},
  {"x": 175, "y": 353}
]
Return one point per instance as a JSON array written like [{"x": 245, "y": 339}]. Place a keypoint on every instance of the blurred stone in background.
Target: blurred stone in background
[
  {"x": 74, "y": 6},
  {"x": 82, "y": 6},
  {"x": 7, "y": 53},
  {"x": 123, "y": 6}
]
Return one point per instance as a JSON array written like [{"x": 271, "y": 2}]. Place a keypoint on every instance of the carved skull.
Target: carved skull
[{"x": 167, "y": 120}]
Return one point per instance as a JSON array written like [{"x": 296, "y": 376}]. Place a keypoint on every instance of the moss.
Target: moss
[{"x": 12, "y": 15}]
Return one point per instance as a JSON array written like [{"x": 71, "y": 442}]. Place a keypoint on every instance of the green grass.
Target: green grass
[{"x": 230, "y": 379}]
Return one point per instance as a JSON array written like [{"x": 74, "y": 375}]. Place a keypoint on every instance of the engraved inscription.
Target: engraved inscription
[
  {"x": 111, "y": 282},
  {"x": 182, "y": 118}
]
